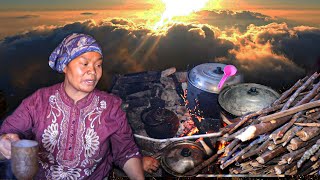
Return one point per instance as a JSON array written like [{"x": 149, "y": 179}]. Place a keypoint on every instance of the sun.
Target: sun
[{"x": 174, "y": 8}]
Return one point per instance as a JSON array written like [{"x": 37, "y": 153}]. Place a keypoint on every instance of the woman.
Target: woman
[{"x": 81, "y": 130}]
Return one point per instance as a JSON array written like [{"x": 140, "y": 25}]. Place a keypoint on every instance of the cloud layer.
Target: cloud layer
[{"x": 265, "y": 52}]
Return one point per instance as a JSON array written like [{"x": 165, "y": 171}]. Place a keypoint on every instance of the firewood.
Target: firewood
[
  {"x": 306, "y": 168},
  {"x": 297, "y": 143},
  {"x": 168, "y": 72},
  {"x": 316, "y": 156},
  {"x": 299, "y": 90},
  {"x": 201, "y": 166},
  {"x": 249, "y": 116},
  {"x": 225, "y": 162},
  {"x": 237, "y": 156},
  {"x": 309, "y": 153},
  {"x": 295, "y": 158},
  {"x": 253, "y": 152},
  {"x": 265, "y": 157},
  {"x": 231, "y": 146},
  {"x": 281, "y": 169},
  {"x": 288, "y": 135},
  {"x": 312, "y": 111},
  {"x": 288, "y": 92},
  {"x": 289, "y": 156},
  {"x": 308, "y": 124},
  {"x": 286, "y": 126},
  {"x": 308, "y": 132},
  {"x": 293, "y": 132},
  {"x": 292, "y": 171},
  {"x": 261, "y": 128},
  {"x": 290, "y": 111}
]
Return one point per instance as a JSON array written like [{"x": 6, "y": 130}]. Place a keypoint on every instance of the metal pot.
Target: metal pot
[
  {"x": 182, "y": 156},
  {"x": 160, "y": 123},
  {"x": 241, "y": 99},
  {"x": 203, "y": 89}
]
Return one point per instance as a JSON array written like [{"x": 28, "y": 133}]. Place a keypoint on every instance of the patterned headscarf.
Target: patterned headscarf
[{"x": 71, "y": 47}]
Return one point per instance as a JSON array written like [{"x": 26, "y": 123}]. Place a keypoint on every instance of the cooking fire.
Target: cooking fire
[{"x": 241, "y": 129}]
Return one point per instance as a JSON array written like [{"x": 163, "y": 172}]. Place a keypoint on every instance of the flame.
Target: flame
[
  {"x": 179, "y": 8},
  {"x": 193, "y": 131}
]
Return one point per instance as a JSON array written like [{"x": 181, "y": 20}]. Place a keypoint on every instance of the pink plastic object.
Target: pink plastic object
[{"x": 229, "y": 70}]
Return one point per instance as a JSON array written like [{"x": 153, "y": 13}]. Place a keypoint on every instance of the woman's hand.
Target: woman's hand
[
  {"x": 150, "y": 164},
  {"x": 5, "y": 144}
]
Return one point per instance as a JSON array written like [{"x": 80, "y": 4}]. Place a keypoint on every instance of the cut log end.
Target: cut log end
[{"x": 247, "y": 134}]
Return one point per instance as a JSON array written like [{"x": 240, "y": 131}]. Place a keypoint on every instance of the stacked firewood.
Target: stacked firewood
[{"x": 282, "y": 139}]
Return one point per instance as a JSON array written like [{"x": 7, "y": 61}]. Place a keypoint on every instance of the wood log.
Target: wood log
[
  {"x": 230, "y": 146},
  {"x": 308, "y": 124},
  {"x": 292, "y": 171},
  {"x": 308, "y": 133},
  {"x": 289, "y": 156},
  {"x": 288, "y": 135},
  {"x": 254, "y": 130},
  {"x": 316, "y": 156},
  {"x": 291, "y": 136},
  {"x": 237, "y": 156},
  {"x": 297, "y": 143},
  {"x": 288, "y": 92},
  {"x": 249, "y": 116},
  {"x": 281, "y": 169},
  {"x": 267, "y": 156},
  {"x": 224, "y": 163},
  {"x": 299, "y": 90},
  {"x": 290, "y": 111},
  {"x": 310, "y": 168},
  {"x": 309, "y": 153},
  {"x": 253, "y": 152},
  {"x": 311, "y": 111},
  {"x": 201, "y": 166}
]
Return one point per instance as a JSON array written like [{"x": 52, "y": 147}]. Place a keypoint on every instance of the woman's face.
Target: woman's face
[{"x": 83, "y": 73}]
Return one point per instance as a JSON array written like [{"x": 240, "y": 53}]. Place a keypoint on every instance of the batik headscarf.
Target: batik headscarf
[{"x": 71, "y": 47}]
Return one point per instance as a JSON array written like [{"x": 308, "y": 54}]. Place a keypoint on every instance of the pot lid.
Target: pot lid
[
  {"x": 208, "y": 75},
  {"x": 240, "y": 99},
  {"x": 182, "y": 156},
  {"x": 157, "y": 116}
]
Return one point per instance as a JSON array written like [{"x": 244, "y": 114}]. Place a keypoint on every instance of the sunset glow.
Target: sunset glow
[{"x": 179, "y": 8}]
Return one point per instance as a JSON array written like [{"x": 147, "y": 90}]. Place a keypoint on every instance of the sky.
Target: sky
[{"x": 273, "y": 43}]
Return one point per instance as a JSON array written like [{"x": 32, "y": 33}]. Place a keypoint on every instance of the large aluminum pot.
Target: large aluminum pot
[{"x": 203, "y": 92}]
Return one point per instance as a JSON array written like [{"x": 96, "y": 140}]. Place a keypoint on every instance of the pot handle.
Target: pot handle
[{"x": 253, "y": 91}]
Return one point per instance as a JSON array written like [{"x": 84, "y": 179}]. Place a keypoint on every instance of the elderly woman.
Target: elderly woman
[{"x": 81, "y": 131}]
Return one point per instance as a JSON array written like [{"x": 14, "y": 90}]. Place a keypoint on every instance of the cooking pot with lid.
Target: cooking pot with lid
[
  {"x": 182, "y": 156},
  {"x": 244, "y": 98},
  {"x": 160, "y": 123},
  {"x": 203, "y": 92}
]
